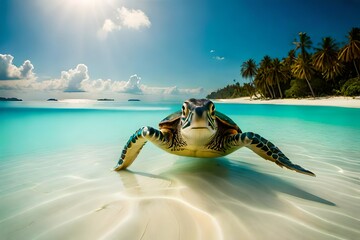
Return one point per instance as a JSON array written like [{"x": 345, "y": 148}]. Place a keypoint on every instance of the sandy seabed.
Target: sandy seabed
[{"x": 74, "y": 195}]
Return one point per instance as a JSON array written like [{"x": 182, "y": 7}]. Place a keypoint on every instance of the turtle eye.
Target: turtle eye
[
  {"x": 212, "y": 110},
  {"x": 184, "y": 110}
]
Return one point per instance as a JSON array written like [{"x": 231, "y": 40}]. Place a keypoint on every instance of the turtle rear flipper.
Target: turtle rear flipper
[
  {"x": 267, "y": 150},
  {"x": 136, "y": 142}
]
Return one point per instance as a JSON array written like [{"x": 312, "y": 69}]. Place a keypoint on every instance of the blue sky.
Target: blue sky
[{"x": 174, "y": 48}]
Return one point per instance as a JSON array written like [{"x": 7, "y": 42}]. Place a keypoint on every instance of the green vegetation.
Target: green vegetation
[
  {"x": 12, "y": 99},
  {"x": 233, "y": 91},
  {"x": 305, "y": 71},
  {"x": 351, "y": 87}
]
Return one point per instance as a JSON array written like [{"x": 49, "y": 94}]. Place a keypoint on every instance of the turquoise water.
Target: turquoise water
[
  {"x": 46, "y": 148},
  {"x": 57, "y": 126},
  {"x": 35, "y": 127}
]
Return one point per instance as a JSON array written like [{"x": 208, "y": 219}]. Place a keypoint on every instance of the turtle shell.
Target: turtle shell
[
  {"x": 228, "y": 122},
  {"x": 171, "y": 120}
]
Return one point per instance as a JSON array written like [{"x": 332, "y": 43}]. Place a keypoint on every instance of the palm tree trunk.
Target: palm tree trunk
[
  {"x": 312, "y": 92},
  {"x": 278, "y": 84},
  {"x": 357, "y": 71},
  {"x": 269, "y": 90},
  {"x": 253, "y": 87},
  {"x": 273, "y": 90},
  {"x": 261, "y": 91}
]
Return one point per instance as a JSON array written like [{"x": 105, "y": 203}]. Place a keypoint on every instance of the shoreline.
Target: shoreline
[{"x": 347, "y": 102}]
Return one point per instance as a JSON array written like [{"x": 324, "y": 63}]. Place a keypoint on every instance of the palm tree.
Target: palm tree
[
  {"x": 325, "y": 59},
  {"x": 303, "y": 69},
  {"x": 289, "y": 60},
  {"x": 351, "y": 51},
  {"x": 277, "y": 73},
  {"x": 249, "y": 70},
  {"x": 265, "y": 66},
  {"x": 260, "y": 82},
  {"x": 303, "y": 44}
]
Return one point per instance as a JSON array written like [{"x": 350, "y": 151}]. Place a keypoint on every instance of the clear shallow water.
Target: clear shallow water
[{"x": 56, "y": 160}]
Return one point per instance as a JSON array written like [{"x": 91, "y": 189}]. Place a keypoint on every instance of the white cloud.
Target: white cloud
[
  {"x": 132, "y": 18},
  {"x": 69, "y": 81},
  {"x": 133, "y": 85},
  {"x": 192, "y": 91},
  {"x": 52, "y": 84},
  {"x": 110, "y": 26},
  {"x": 218, "y": 58},
  {"x": 8, "y": 71},
  {"x": 74, "y": 78},
  {"x": 174, "y": 90},
  {"x": 26, "y": 70},
  {"x": 107, "y": 27},
  {"x": 125, "y": 18},
  {"x": 78, "y": 80},
  {"x": 100, "y": 85}
]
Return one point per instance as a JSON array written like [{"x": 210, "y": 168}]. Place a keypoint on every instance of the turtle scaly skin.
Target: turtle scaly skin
[
  {"x": 200, "y": 131},
  {"x": 137, "y": 142}
]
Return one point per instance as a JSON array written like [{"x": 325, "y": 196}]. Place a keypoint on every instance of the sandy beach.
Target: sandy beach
[{"x": 350, "y": 102}]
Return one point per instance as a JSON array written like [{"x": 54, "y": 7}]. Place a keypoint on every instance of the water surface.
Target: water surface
[{"x": 56, "y": 178}]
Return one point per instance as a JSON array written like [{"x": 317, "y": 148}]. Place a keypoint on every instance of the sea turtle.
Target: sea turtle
[{"x": 198, "y": 130}]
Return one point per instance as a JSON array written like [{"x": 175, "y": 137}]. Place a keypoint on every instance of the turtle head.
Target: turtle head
[{"x": 198, "y": 121}]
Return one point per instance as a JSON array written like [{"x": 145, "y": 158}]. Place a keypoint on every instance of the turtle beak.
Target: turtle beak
[{"x": 199, "y": 119}]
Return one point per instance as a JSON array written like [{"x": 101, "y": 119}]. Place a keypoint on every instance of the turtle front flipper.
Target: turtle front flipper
[
  {"x": 267, "y": 150},
  {"x": 135, "y": 144}
]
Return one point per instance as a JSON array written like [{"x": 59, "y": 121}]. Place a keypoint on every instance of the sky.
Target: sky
[{"x": 151, "y": 48}]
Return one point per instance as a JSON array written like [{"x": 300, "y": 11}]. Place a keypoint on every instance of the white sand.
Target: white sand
[{"x": 351, "y": 102}]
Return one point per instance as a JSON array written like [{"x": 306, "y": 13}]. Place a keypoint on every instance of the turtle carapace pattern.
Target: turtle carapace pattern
[{"x": 198, "y": 130}]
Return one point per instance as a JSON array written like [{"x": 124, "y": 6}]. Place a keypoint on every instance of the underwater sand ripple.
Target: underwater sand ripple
[{"x": 170, "y": 197}]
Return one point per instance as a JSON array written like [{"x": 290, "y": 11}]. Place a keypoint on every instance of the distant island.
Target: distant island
[
  {"x": 52, "y": 100},
  {"x": 10, "y": 99},
  {"x": 133, "y": 100},
  {"x": 105, "y": 99},
  {"x": 331, "y": 69}
]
